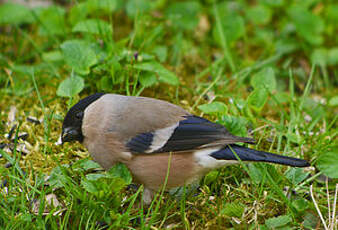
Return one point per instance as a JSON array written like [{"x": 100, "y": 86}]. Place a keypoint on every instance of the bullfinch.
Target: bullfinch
[{"x": 143, "y": 133}]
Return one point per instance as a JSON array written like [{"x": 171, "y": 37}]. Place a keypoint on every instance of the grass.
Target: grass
[{"x": 270, "y": 73}]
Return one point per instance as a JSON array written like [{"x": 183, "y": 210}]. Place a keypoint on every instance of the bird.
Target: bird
[{"x": 147, "y": 134}]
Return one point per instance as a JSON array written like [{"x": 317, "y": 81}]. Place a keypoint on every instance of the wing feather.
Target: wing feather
[{"x": 190, "y": 133}]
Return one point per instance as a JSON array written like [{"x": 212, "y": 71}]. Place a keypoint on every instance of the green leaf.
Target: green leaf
[
  {"x": 333, "y": 56},
  {"x": 95, "y": 176},
  {"x": 296, "y": 175},
  {"x": 332, "y": 12},
  {"x": 214, "y": 107},
  {"x": 233, "y": 209},
  {"x": 57, "y": 177},
  {"x": 145, "y": 57},
  {"x": 282, "y": 97},
  {"x": 52, "y": 21},
  {"x": 310, "y": 220},
  {"x": 322, "y": 56},
  {"x": 103, "y": 6},
  {"x": 89, "y": 186},
  {"x": 259, "y": 14},
  {"x": 183, "y": 15},
  {"x": 232, "y": 27},
  {"x": 286, "y": 45},
  {"x": 235, "y": 125},
  {"x": 52, "y": 56},
  {"x": 13, "y": 14},
  {"x": 115, "y": 71},
  {"x": 78, "y": 55},
  {"x": 121, "y": 171},
  {"x": 293, "y": 137},
  {"x": 256, "y": 173},
  {"x": 308, "y": 25},
  {"x": 279, "y": 221},
  {"x": 258, "y": 98},
  {"x": 25, "y": 69},
  {"x": 105, "y": 83},
  {"x": 264, "y": 79},
  {"x": 327, "y": 163},
  {"x": 147, "y": 79},
  {"x": 78, "y": 12},
  {"x": 155, "y": 67},
  {"x": 272, "y": 3},
  {"x": 20, "y": 85},
  {"x": 264, "y": 36},
  {"x": 85, "y": 165},
  {"x": 94, "y": 26},
  {"x": 70, "y": 87},
  {"x": 300, "y": 204},
  {"x": 319, "y": 56},
  {"x": 28, "y": 218},
  {"x": 210, "y": 177},
  {"x": 137, "y": 6},
  {"x": 333, "y": 101},
  {"x": 161, "y": 52}
]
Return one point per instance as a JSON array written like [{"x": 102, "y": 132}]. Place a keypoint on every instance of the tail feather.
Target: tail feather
[{"x": 246, "y": 154}]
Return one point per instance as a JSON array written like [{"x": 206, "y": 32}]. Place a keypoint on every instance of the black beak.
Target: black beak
[{"x": 70, "y": 134}]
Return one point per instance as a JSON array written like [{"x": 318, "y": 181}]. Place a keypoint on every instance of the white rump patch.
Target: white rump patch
[
  {"x": 161, "y": 136},
  {"x": 59, "y": 141},
  {"x": 206, "y": 161}
]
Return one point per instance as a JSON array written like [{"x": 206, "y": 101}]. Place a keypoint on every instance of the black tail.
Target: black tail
[{"x": 246, "y": 154}]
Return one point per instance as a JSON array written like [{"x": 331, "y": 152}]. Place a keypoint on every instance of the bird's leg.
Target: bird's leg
[{"x": 148, "y": 196}]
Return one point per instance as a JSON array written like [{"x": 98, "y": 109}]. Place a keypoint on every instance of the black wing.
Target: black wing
[
  {"x": 191, "y": 133},
  {"x": 140, "y": 143}
]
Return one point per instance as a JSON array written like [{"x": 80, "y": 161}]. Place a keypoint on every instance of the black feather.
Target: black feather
[
  {"x": 140, "y": 143},
  {"x": 246, "y": 154},
  {"x": 191, "y": 133},
  {"x": 75, "y": 114}
]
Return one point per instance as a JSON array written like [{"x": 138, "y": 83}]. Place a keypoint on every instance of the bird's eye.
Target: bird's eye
[{"x": 79, "y": 115}]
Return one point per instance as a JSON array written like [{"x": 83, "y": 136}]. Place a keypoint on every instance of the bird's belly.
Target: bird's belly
[{"x": 151, "y": 169}]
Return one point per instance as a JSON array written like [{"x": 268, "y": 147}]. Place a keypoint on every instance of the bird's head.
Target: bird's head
[{"x": 72, "y": 123}]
